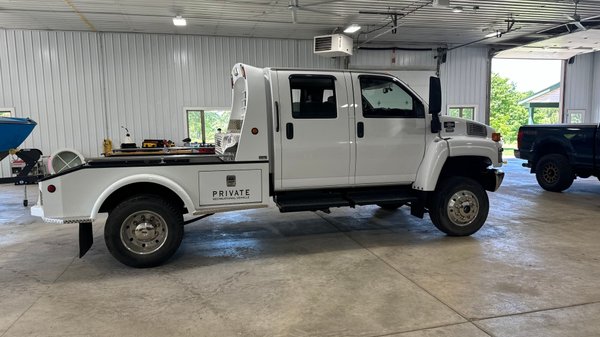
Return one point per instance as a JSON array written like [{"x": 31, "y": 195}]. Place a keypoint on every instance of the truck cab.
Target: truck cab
[{"x": 337, "y": 129}]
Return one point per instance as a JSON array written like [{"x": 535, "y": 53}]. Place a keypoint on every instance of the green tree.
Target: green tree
[
  {"x": 213, "y": 120},
  {"x": 195, "y": 126},
  {"x": 546, "y": 116},
  {"x": 506, "y": 115}
]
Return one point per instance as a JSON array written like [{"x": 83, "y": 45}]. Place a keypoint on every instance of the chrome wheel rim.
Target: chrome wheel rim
[
  {"x": 463, "y": 208},
  {"x": 144, "y": 232},
  {"x": 550, "y": 173}
]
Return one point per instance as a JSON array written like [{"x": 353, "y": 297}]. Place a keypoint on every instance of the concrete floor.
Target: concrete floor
[{"x": 533, "y": 270}]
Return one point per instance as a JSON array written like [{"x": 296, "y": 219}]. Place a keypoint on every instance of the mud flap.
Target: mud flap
[
  {"x": 86, "y": 238},
  {"x": 417, "y": 207}
]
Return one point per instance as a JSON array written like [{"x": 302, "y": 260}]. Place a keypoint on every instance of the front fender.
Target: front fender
[
  {"x": 478, "y": 147},
  {"x": 143, "y": 178},
  {"x": 431, "y": 166}
]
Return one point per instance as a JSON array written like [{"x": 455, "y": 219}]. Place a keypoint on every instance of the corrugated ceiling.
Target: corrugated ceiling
[{"x": 273, "y": 18}]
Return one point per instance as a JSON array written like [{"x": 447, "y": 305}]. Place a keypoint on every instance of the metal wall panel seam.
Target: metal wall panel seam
[
  {"x": 43, "y": 50},
  {"x": 596, "y": 88},
  {"x": 76, "y": 93},
  {"x": 2, "y": 71},
  {"x": 55, "y": 76},
  {"x": 102, "y": 71}
]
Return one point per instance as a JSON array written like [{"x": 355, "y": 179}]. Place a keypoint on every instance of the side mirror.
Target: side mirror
[
  {"x": 435, "y": 103},
  {"x": 435, "y": 95}
]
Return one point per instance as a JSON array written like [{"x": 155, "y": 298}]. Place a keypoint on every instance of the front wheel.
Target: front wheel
[
  {"x": 459, "y": 207},
  {"x": 144, "y": 231}
]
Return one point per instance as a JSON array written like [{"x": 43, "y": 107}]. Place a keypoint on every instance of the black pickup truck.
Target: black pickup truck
[{"x": 557, "y": 154}]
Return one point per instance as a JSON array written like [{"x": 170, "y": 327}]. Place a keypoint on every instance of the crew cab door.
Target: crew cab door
[
  {"x": 390, "y": 130},
  {"x": 314, "y": 130}
]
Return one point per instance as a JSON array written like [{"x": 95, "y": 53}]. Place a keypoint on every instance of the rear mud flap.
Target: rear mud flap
[{"x": 86, "y": 238}]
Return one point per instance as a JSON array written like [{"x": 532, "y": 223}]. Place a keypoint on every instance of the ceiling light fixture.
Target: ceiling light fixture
[
  {"x": 457, "y": 9},
  {"x": 179, "y": 21},
  {"x": 352, "y": 29}
]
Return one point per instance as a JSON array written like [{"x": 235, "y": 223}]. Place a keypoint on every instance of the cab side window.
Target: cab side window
[
  {"x": 382, "y": 97},
  {"x": 313, "y": 97}
]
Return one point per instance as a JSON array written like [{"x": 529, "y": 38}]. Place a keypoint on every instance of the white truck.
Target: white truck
[{"x": 311, "y": 140}]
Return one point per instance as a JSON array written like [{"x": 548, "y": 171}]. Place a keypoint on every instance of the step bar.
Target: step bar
[{"x": 323, "y": 200}]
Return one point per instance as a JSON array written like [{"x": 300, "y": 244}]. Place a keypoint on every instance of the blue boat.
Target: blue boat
[{"x": 13, "y": 132}]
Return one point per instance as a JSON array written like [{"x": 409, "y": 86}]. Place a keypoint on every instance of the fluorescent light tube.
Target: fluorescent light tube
[
  {"x": 179, "y": 21},
  {"x": 352, "y": 29}
]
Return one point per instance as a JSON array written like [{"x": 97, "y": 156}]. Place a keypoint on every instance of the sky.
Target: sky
[{"x": 533, "y": 75}]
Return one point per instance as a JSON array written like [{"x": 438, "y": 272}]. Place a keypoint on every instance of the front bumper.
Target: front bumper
[{"x": 493, "y": 179}]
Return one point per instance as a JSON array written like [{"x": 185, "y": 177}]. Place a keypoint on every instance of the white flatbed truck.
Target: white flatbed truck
[{"x": 311, "y": 140}]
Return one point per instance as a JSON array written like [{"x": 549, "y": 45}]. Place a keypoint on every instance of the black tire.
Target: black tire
[
  {"x": 25, "y": 203},
  {"x": 153, "y": 240},
  {"x": 554, "y": 173},
  {"x": 452, "y": 219},
  {"x": 390, "y": 207}
]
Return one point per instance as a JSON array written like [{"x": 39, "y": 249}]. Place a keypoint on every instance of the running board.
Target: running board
[
  {"x": 323, "y": 200},
  {"x": 378, "y": 197},
  {"x": 307, "y": 202}
]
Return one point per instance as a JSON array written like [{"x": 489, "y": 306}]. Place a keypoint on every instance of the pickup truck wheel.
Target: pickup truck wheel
[
  {"x": 459, "y": 207},
  {"x": 553, "y": 173},
  {"x": 143, "y": 231}
]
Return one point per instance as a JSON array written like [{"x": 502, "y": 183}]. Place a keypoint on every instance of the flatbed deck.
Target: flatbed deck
[
  {"x": 143, "y": 161},
  {"x": 155, "y": 160}
]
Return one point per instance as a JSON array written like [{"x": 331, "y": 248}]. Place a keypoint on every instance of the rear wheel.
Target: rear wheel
[
  {"x": 144, "y": 231},
  {"x": 553, "y": 173},
  {"x": 459, "y": 207}
]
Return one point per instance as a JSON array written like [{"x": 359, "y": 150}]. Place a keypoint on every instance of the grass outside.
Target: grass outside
[{"x": 509, "y": 150}]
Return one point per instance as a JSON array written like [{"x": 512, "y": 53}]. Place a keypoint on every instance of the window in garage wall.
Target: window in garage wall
[
  {"x": 202, "y": 123},
  {"x": 467, "y": 112},
  {"x": 7, "y": 112}
]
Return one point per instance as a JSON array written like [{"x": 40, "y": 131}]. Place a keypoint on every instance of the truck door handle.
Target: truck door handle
[
  {"x": 289, "y": 130},
  {"x": 276, "y": 116},
  {"x": 360, "y": 129}
]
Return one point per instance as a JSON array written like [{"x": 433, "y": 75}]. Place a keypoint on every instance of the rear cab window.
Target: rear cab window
[{"x": 313, "y": 97}]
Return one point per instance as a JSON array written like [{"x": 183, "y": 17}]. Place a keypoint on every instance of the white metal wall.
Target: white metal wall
[
  {"x": 54, "y": 78},
  {"x": 464, "y": 76},
  {"x": 81, "y": 87},
  {"x": 579, "y": 86},
  {"x": 464, "y": 80},
  {"x": 393, "y": 59}
]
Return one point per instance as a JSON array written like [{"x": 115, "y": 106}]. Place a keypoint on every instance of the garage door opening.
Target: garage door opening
[{"x": 524, "y": 92}]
